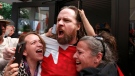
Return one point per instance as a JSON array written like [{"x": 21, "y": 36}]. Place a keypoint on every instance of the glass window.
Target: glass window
[{"x": 33, "y": 19}]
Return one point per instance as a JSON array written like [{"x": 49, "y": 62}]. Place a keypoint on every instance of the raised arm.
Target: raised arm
[{"x": 89, "y": 29}]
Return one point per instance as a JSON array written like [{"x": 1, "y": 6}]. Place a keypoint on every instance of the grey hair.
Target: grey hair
[
  {"x": 96, "y": 46},
  {"x": 11, "y": 26}
]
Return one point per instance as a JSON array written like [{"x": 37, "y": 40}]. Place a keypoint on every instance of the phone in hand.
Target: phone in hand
[
  {"x": 19, "y": 52},
  {"x": 54, "y": 29}
]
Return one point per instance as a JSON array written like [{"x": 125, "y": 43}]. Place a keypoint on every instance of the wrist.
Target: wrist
[{"x": 47, "y": 34}]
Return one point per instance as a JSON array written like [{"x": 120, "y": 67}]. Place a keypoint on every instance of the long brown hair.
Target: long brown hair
[{"x": 110, "y": 40}]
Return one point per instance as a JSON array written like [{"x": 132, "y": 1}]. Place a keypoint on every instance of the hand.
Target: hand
[
  {"x": 11, "y": 68},
  {"x": 81, "y": 12},
  {"x": 88, "y": 27},
  {"x": 49, "y": 33},
  {"x": 8, "y": 53}
]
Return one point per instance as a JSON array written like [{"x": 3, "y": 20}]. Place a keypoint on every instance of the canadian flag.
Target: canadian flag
[{"x": 58, "y": 59}]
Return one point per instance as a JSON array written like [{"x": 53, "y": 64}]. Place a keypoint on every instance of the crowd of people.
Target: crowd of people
[{"x": 76, "y": 50}]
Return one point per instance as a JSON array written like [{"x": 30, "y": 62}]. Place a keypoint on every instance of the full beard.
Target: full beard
[{"x": 67, "y": 38}]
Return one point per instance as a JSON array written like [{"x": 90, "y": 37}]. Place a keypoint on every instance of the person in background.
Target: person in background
[
  {"x": 10, "y": 30},
  {"x": 97, "y": 27},
  {"x": 107, "y": 27},
  {"x": 97, "y": 56},
  {"x": 32, "y": 55},
  {"x": 5, "y": 42}
]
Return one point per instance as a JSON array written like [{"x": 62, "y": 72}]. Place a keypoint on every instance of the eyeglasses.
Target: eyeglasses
[{"x": 101, "y": 40}]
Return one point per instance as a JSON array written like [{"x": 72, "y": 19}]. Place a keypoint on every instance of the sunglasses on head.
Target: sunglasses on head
[{"x": 102, "y": 42}]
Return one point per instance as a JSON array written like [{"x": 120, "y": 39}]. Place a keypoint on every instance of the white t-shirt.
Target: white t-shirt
[{"x": 8, "y": 42}]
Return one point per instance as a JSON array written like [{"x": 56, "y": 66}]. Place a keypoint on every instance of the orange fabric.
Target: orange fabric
[{"x": 119, "y": 71}]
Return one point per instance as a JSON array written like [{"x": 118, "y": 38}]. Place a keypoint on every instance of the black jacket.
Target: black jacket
[{"x": 101, "y": 70}]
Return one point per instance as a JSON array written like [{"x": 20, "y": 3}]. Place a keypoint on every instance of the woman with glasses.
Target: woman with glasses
[{"x": 96, "y": 55}]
